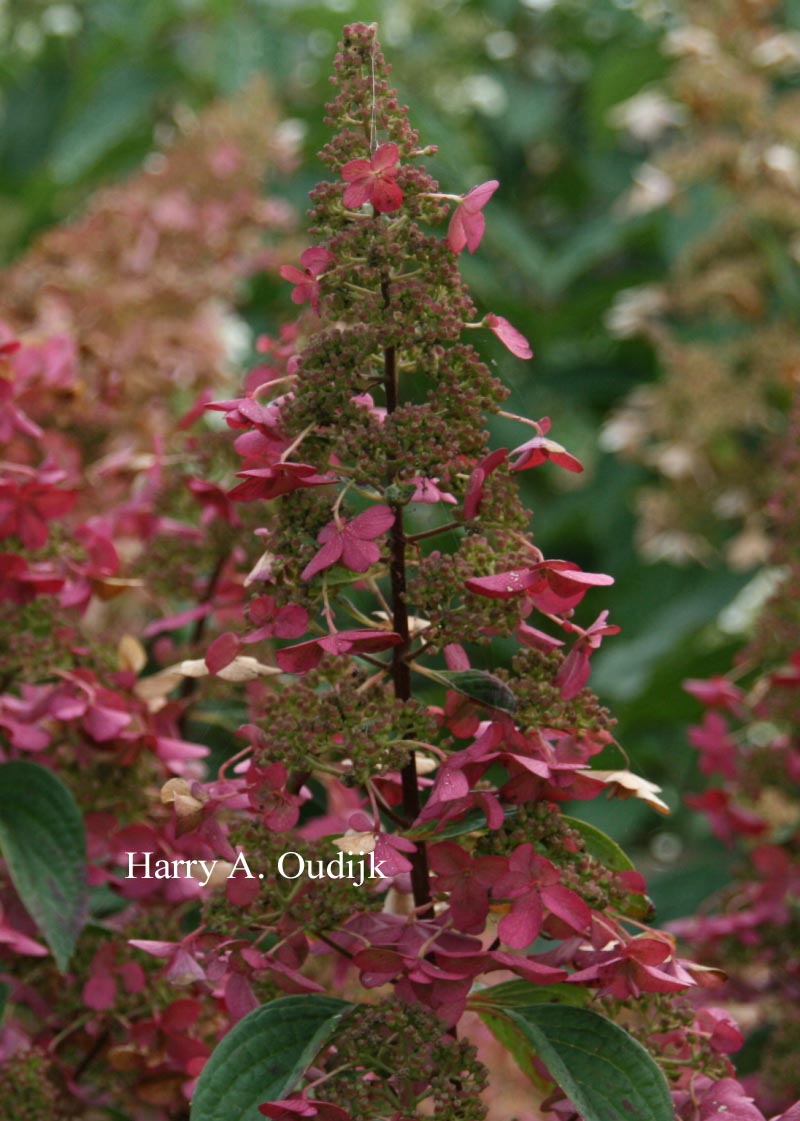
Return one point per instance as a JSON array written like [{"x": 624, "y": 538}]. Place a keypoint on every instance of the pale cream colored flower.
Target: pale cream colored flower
[
  {"x": 625, "y": 784},
  {"x": 692, "y": 40},
  {"x": 651, "y": 189},
  {"x": 424, "y": 764},
  {"x": 675, "y": 546},
  {"x": 355, "y": 843},
  {"x": 781, "y": 50},
  {"x": 676, "y": 461},
  {"x": 647, "y": 115},
  {"x": 220, "y": 873},
  {"x": 242, "y": 668},
  {"x": 784, "y": 163},
  {"x": 156, "y": 688},
  {"x": 416, "y": 624},
  {"x": 131, "y": 655},
  {"x": 188, "y": 808},
  {"x": 632, "y": 308}
]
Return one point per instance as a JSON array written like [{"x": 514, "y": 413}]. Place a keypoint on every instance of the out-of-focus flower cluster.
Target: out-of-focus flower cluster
[
  {"x": 723, "y": 324},
  {"x": 118, "y": 549},
  {"x": 748, "y": 744},
  {"x": 139, "y": 291}
]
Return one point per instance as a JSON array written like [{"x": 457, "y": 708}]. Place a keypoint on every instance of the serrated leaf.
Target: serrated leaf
[
  {"x": 604, "y": 1072},
  {"x": 478, "y": 685},
  {"x": 263, "y": 1057},
  {"x": 43, "y": 842},
  {"x": 523, "y": 994}
]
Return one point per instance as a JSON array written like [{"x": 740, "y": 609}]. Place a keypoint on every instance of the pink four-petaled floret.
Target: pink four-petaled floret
[{"x": 373, "y": 181}]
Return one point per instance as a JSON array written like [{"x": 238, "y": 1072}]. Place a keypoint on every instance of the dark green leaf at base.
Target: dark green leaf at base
[
  {"x": 263, "y": 1057},
  {"x": 44, "y": 845}
]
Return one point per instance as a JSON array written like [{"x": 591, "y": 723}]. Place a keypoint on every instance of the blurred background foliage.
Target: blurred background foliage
[{"x": 563, "y": 102}]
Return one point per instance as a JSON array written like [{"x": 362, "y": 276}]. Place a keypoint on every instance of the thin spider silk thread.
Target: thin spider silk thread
[{"x": 373, "y": 121}]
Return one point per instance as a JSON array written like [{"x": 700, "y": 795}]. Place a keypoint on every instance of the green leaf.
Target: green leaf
[
  {"x": 491, "y": 1003},
  {"x": 511, "y": 237},
  {"x": 530, "y": 115},
  {"x": 104, "y": 902},
  {"x": 339, "y": 577},
  {"x": 478, "y": 685},
  {"x": 590, "y": 244},
  {"x": 33, "y": 106},
  {"x": 600, "y": 845},
  {"x": 703, "y": 207},
  {"x": 399, "y": 492},
  {"x": 471, "y": 822},
  {"x": 120, "y": 103},
  {"x": 523, "y": 994},
  {"x": 43, "y": 841},
  {"x": 263, "y": 1057},
  {"x": 517, "y": 1045},
  {"x": 625, "y": 672},
  {"x": 4, "y": 991},
  {"x": 604, "y": 1072},
  {"x": 618, "y": 73}
]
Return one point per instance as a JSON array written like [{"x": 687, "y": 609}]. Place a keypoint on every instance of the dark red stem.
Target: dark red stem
[{"x": 401, "y": 674}]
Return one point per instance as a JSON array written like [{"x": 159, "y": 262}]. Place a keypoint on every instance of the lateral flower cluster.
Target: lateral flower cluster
[
  {"x": 721, "y": 328},
  {"x": 747, "y": 745},
  {"x": 142, "y": 283},
  {"x": 117, "y": 551},
  {"x": 84, "y": 710}
]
